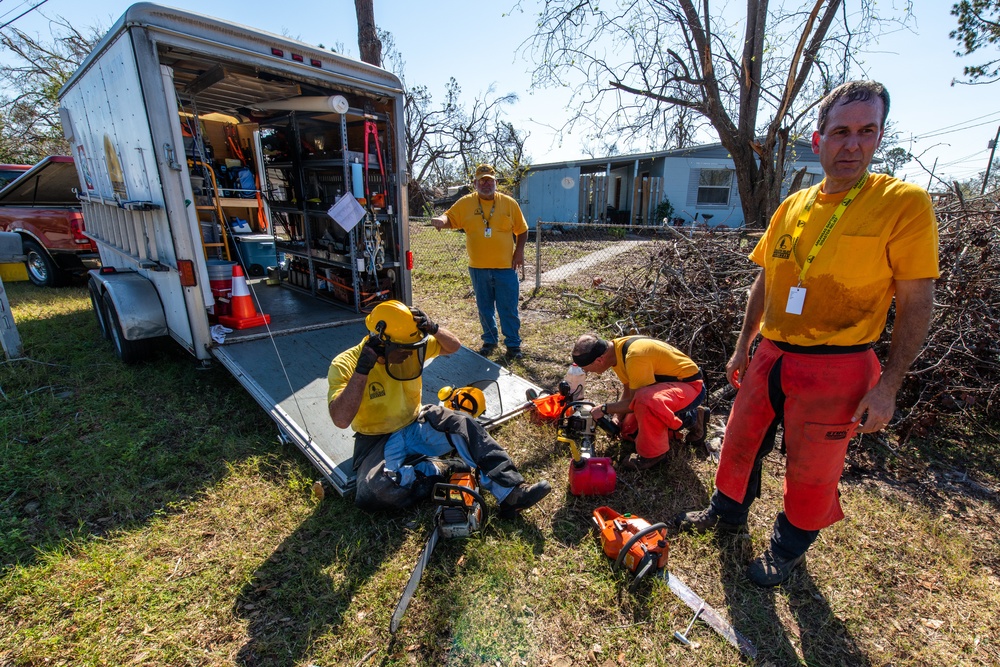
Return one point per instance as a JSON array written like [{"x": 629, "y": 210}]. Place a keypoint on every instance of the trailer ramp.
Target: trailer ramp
[{"x": 286, "y": 375}]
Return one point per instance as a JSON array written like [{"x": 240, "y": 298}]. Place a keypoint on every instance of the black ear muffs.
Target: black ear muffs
[{"x": 466, "y": 403}]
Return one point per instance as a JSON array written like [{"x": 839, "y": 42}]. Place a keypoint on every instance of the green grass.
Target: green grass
[{"x": 149, "y": 516}]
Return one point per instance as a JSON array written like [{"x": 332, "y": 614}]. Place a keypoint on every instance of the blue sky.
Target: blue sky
[{"x": 477, "y": 44}]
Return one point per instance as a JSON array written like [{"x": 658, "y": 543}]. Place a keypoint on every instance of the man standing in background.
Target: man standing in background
[{"x": 495, "y": 232}]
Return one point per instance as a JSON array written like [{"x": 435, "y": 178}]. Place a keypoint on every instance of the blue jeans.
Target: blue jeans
[
  {"x": 406, "y": 448},
  {"x": 497, "y": 289}
]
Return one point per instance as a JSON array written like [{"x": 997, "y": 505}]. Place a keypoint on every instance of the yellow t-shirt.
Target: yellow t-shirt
[
  {"x": 387, "y": 405},
  {"x": 887, "y": 233},
  {"x": 505, "y": 222},
  {"x": 650, "y": 361}
]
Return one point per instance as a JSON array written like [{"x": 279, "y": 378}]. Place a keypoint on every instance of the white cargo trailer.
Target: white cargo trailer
[{"x": 188, "y": 130}]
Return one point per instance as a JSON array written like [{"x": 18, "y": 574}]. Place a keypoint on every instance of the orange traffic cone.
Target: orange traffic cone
[{"x": 242, "y": 314}]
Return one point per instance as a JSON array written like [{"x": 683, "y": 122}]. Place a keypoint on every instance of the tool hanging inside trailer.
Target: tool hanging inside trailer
[
  {"x": 373, "y": 241},
  {"x": 459, "y": 514}
]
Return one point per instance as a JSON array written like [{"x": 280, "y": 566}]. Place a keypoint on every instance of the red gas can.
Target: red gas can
[{"x": 592, "y": 477}]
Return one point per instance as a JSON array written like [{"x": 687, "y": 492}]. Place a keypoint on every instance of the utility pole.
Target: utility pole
[
  {"x": 993, "y": 150},
  {"x": 931, "y": 179},
  {"x": 369, "y": 45}
]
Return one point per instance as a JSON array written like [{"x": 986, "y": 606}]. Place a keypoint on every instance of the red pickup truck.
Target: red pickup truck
[
  {"x": 9, "y": 172},
  {"x": 41, "y": 207}
]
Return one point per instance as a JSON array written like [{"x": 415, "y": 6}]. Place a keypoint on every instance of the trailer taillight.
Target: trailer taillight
[
  {"x": 409, "y": 260},
  {"x": 297, "y": 58},
  {"x": 185, "y": 267},
  {"x": 277, "y": 52},
  {"x": 315, "y": 63}
]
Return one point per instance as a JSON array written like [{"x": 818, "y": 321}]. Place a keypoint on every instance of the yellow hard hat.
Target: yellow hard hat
[
  {"x": 393, "y": 322},
  {"x": 470, "y": 400}
]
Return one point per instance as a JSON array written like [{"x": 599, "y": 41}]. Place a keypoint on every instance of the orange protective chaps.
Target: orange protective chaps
[
  {"x": 815, "y": 396},
  {"x": 659, "y": 409}
]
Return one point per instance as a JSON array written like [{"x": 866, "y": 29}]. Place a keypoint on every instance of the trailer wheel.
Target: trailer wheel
[
  {"x": 129, "y": 351},
  {"x": 42, "y": 271},
  {"x": 95, "y": 302}
]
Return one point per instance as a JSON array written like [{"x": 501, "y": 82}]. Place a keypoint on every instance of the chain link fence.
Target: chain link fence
[{"x": 556, "y": 253}]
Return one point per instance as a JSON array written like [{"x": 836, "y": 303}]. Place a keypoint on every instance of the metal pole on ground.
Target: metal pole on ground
[{"x": 538, "y": 253}]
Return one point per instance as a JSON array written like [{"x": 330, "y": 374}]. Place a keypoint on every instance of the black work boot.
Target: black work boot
[
  {"x": 487, "y": 349},
  {"x": 523, "y": 497},
  {"x": 696, "y": 435},
  {"x": 702, "y": 521},
  {"x": 514, "y": 353},
  {"x": 770, "y": 570}
]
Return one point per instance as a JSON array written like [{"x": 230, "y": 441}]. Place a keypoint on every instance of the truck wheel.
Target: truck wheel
[
  {"x": 129, "y": 351},
  {"x": 42, "y": 271},
  {"x": 95, "y": 302}
]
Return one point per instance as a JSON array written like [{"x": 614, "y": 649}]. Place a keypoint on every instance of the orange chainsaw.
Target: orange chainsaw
[
  {"x": 633, "y": 542},
  {"x": 642, "y": 548}
]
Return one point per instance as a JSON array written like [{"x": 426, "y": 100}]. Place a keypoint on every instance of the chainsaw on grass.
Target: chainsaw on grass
[
  {"x": 642, "y": 549},
  {"x": 460, "y": 512},
  {"x": 636, "y": 544}
]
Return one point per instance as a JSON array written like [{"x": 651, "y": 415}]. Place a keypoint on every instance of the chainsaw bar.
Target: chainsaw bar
[
  {"x": 415, "y": 576},
  {"x": 708, "y": 614}
]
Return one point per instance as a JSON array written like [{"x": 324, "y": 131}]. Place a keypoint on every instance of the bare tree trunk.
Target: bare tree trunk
[{"x": 369, "y": 44}]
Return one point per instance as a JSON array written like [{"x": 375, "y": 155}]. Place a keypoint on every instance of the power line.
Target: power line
[
  {"x": 960, "y": 129},
  {"x": 24, "y": 13},
  {"x": 967, "y": 158},
  {"x": 963, "y": 122}
]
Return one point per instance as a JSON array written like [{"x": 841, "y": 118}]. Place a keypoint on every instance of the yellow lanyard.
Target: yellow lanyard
[
  {"x": 479, "y": 211},
  {"x": 831, "y": 223}
]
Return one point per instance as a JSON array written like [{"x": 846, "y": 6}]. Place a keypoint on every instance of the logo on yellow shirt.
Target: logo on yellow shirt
[
  {"x": 784, "y": 248},
  {"x": 375, "y": 390}
]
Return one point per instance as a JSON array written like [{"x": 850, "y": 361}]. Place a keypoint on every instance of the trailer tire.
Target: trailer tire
[
  {"x": 95, "y": 301},
  {"x": 42, "y": 271},
  {"x": 129, "y": 351}
]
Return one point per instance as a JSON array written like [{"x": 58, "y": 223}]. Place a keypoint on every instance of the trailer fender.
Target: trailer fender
[{"x": 136, "y": 302}]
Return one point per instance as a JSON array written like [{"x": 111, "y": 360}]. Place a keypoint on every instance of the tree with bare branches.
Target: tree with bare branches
[
  {"x": 32, "y": 76},
  {"x": 445, "y": 142},
  {"x": 754, "y": 76}
]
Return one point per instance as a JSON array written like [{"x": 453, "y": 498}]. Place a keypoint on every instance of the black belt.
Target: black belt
[
  {"x": 671, "y": 378},
  {"x": 821, "y": 349}
]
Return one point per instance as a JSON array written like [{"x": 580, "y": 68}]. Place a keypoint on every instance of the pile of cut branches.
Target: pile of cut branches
[
  {"x": 958, "y": 369},
  {"x": 692, "y": 292}
]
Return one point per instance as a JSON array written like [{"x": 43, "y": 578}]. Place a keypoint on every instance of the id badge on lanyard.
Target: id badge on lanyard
[{"x": 797, "y": 295}]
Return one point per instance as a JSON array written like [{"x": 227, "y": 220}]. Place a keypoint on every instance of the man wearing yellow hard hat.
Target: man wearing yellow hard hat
[{"x": 402, "y": 448}]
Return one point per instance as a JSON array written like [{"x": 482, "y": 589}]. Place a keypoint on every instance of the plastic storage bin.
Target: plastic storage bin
[{"x": 256, "y": 253}]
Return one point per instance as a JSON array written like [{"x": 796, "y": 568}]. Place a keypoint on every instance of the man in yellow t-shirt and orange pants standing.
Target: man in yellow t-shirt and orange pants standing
[
  {"x": 495, "y": 232},
  {"x": 832, "y": 259}
]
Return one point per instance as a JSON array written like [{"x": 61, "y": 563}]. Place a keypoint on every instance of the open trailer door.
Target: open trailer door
[{"x": 286, "y": 375}]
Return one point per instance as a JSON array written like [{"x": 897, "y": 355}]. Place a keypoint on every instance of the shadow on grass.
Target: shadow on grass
[
  {"x": 304, "y": 589},
  {"x": 322, "y": 590},
  {"x": 463, "y": 619},
  {"x": 821, "y": 638},
  {"x": 92, "y": 445}
]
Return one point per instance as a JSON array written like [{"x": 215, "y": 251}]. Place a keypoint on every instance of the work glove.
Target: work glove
[
  {"x": 372, "y": 350},
  {"x": 425, "y": 325}
]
